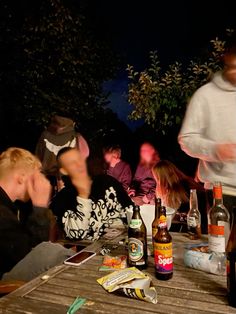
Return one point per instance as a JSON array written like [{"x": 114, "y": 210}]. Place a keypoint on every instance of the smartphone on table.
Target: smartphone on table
[{"x": 79, "y": 258}]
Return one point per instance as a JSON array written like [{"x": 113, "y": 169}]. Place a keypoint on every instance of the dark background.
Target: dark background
[{"x": 178, "y": 30}]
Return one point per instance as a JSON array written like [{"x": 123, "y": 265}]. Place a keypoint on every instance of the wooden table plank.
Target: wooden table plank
[{"x": 189, "y": 291}]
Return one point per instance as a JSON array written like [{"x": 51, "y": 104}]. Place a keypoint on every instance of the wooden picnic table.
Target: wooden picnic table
[{"x": 189, "y": 291}]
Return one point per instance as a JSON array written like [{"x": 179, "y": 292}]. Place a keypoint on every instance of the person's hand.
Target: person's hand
[
  {"x": 138, "y": 200},
  {"x": 39, "y": 190},
  {"x": 145, "y": 199},
  {"x": 226, "y": 152},
  {"x": 131, "y": 193},
  {"x": 82, "y": 182}
]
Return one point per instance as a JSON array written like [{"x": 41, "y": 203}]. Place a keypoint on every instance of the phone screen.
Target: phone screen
[{"x": 80, "y": 257}]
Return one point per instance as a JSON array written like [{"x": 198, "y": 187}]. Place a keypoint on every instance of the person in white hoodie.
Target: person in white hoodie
[{"x": 209, "y": 129}]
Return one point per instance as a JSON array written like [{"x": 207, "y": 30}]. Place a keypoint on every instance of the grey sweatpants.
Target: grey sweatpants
[{"x": 43, "y": 257}]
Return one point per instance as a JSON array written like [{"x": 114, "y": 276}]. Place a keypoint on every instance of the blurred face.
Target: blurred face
[
  {"x": 72, "y": 163},
  {"x": 108, "y": 157},
  {"x": 230, "y": 68},
  {"x": 147, "y": 152}
]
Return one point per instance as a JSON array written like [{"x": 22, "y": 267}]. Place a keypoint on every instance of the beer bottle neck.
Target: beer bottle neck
[
  {"x": 157, "y": 207},
  {"x": 218, "y": 201}
]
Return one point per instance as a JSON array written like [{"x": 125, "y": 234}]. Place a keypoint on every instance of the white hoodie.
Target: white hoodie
[{"x": 211, "y": 119}]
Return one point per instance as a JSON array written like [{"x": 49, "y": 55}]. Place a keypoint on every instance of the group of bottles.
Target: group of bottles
[
  {"x": 222, "y": 242},
  {"x": 162, "y": 242}
]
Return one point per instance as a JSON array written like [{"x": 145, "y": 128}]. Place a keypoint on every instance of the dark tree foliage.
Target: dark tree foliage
[{"x": 51, "y": 61}]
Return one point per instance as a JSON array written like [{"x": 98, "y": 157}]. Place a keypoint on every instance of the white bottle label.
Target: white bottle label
[
  {"x": 191, "y": 222},
  {"x": 216, "y": 244},
  {"x": 217, "y": 237},
  {"x": 136, "y": 251}
]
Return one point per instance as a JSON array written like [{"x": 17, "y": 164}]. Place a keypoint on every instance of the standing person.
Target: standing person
[
  {"x": 143, "y": 186},
  {"x": 60, "y": 133},
  {"x": 209, "y": 129},
  {"x": 173, "y": 187},
  {"x": 24, "y": 255},
  {"x": 117, "y": 168}
]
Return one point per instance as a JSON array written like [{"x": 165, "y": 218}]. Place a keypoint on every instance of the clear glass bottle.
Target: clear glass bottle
[
  {"x": 194, "y": 217},
  {"x": 218, "y": 222}
]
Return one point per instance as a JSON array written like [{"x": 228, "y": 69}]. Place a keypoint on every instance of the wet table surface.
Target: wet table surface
[{"x": 189, "y": 291}]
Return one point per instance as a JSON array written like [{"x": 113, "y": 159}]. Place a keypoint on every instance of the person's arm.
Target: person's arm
[
  {"x": 41, "y": 221},
  {"x": 126, "y": 177},
  {"x": 192, "y": 137},
  {"x": 77, "y": 223}
]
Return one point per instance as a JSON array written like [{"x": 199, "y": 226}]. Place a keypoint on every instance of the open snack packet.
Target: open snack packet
[
  {"x": 130, "y": 282},
  {"x": 113, "y": 263}
]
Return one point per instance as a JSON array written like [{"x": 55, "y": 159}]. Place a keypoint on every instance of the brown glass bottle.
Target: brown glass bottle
[
  {"x": 155, "y": 221},
  {"x": 163, "y": 249},
  {"x": 137, "y": 241},
  {"x": 231, "y": 263}
]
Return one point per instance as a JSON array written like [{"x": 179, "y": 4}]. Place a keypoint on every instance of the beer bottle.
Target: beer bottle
[
  {"x": 231, "y": 263},
  {"x": 194, "y": 217},
  {"x": 155, "y": 221},
  {"x": 218, "y": 223},
  {"x": 137, "y": 241},
  {"x": 163, "y": 249}
]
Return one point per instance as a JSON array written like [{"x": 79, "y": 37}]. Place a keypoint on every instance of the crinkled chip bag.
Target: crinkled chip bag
[{"x": 130, "y": 282}]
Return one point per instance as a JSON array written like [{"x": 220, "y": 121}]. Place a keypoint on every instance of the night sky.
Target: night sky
[{"x": 178, "y": 30}]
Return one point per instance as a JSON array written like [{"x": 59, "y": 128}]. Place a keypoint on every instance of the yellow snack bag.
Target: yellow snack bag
[{"x": 130, "y": 282}]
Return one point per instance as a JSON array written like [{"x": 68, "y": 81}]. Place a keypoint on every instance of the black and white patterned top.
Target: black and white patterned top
[{"x": 88, "y": 218}]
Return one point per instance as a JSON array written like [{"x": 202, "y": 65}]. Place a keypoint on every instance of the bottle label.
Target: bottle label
[
  {"x": 216, "y": 237},
  {"x": 215, "y": 230},
  {"x": 163, "y": 257},
  {"x": 135, "y": 223},
  {"x": 216, "y": 244},
  {"x": 192, "y": 222},
  {"x": 136, "y": 250},
  {"x": 162, "y": 222}
]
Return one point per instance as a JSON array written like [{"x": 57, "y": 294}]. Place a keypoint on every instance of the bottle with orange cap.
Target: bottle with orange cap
[{"x": 218, "y": 222}]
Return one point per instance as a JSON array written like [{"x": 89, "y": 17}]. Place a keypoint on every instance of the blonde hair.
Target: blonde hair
[{"x": 17, "y": 158}]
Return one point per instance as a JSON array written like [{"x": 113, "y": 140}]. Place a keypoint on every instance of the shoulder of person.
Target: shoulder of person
[{"x": 204, "y": 91}]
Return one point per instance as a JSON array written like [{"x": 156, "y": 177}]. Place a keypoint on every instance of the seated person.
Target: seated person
[
  {"x": 23, "y": 256},
  {"x": 117, "y": 168},
  {"x": 143, "y": 186},
  {"x": 85, "y": 207},
  {"x": 173, "y": 187}
]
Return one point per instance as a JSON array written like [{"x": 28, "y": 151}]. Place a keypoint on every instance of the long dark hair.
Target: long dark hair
[{"x": 173, "y": 184}]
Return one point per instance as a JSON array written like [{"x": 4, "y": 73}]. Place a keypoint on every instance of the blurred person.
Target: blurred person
[
  {"x": 24, "y": 255},
  {"x": 60, "y": 133},
  {"x": 173, "y": 187},
  {"x": 142, "y": 190},
  {"x": 85, "y": 207},
  {"x": 117, "y": 168},
  {"x": 209, "y": 129}
]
